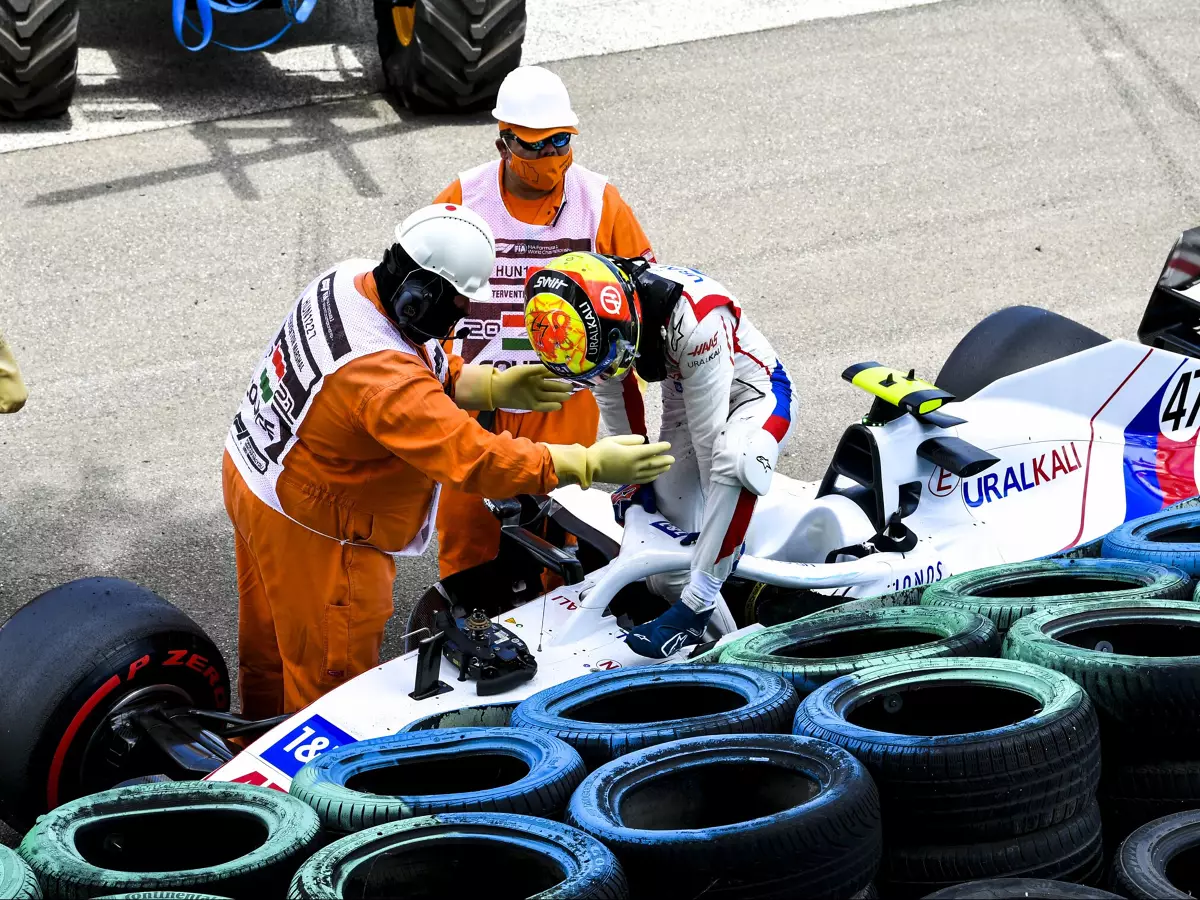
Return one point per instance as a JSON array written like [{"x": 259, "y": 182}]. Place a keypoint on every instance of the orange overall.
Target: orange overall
[
  {"x": 467, "y": 533},
  {"x": 376, "y": 439}
]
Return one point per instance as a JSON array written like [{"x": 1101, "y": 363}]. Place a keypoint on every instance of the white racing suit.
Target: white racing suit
[{"x": 728, "y": 407}]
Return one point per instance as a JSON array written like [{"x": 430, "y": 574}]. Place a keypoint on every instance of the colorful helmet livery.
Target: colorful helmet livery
[{"x": 583, "y": 318}]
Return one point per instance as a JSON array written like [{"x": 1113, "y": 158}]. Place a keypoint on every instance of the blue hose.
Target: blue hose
[{"x": 294, "y": 10}]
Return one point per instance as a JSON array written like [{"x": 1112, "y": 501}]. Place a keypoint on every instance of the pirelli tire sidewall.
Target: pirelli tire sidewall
[{"x": 63, "y": 678}]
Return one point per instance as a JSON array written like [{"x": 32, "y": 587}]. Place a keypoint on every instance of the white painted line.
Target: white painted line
[{"x": 110, "y": 102}]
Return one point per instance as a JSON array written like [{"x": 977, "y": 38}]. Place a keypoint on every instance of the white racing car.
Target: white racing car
[{"x": 1039, "y": 437}]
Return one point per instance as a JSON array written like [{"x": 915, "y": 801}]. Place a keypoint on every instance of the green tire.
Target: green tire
[{"x": 16, "y": 878}]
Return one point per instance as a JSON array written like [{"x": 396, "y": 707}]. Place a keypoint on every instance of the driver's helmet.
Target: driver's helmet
[{"x": 583, "y": 318}]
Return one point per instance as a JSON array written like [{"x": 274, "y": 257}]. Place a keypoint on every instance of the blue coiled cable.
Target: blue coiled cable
[{"x": 295, "y": 11}]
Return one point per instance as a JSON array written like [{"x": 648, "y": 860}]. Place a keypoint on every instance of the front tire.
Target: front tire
[
  {"x": 67, "y": 659},
  {"x": 39, "y": 50},
  {"x": 448, "y": 55}
]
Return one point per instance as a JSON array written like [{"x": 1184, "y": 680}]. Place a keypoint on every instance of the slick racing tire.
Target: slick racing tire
[
  {"x": 745, "y": 815},
  {"x": 464, "y": 855},
  {"x": 420, "y": 773},
  {"x": 1069, "y": 851},
  {"x": 1009, "y": 341},
  {"x": 1158, "y": 860},
  {"x": 812, "y": 651},
  {"x": 16, "y": 878},
  {"x": 1006, "y": 593},
  {"x": 1139, "y": 662},
  {"x": 1021, "y": 889},
  {"x": 39, "y": 47},
  {"x": 1168, "y": 538},
  {"x": 227, "y": 839},
  {"x": 1132, "y": 795},
  {"x": 964, "y": 749},
  {"x": 449, "y": 55},
  {"x": 605, "y": 715},
  {"x": 67, "y": 659}
]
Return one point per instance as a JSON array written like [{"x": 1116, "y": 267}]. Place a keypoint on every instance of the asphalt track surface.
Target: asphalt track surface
[{"x": 869, "y": 187}]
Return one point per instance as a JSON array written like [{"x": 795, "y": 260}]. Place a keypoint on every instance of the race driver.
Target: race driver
[
  {"x": 12, "y": 388},
  {"x": 728, "y": 407},
  {"x": 352, "y": 420},
  {"x": 539, "y": 203}
]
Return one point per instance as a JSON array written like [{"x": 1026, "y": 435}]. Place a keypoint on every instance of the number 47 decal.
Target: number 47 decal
[{"x": 1177, "y": 406}]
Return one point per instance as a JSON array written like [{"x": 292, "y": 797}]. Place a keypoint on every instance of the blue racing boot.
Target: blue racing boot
[{"x": 677, "y": 627}]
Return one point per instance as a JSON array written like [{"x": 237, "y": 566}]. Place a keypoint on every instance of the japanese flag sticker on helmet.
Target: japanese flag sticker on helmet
[
  {"x": 454, "y": 242},
  {"x": 534, "y": 97}
]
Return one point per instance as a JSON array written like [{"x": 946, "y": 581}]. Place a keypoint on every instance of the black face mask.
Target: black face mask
[
  {"x": 657, "y": 296},
  {"x": 421, "y": 302}
]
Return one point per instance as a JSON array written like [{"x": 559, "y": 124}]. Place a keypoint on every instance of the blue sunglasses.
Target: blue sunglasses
[{"x": 559, "y": 140}]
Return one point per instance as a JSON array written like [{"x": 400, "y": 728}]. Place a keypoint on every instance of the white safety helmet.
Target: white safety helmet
[
  {"x": 533, "y": 97},
  {"x": 454, "y": 242}
]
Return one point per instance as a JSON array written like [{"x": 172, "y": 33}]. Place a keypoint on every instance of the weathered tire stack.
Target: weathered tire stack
[
  {"x": 985, "y": 768},
  {"x": 1139, "y": 661}
]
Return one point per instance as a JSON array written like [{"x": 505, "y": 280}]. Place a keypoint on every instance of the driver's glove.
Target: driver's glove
[{"x": 633, "y": 495}]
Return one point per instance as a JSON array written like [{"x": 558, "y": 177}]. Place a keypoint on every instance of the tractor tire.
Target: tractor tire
[
  {"x": 39, "y": 50},
  {"x": 448, "y": 56}
]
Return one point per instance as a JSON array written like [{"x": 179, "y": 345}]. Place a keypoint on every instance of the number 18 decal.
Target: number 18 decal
[{"x": 305, "y": 743}]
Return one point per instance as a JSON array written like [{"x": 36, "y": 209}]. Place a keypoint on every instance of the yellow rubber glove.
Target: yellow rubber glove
[
  {"x": 518, "y": 387},
  {"x": 622, "y": 459},
  {"x": 12, "y": 388},
  {"x": 529, "y": 387}
]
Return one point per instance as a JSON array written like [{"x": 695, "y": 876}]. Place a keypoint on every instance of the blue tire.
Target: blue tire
[
  {"x": 464, "y": 855},
  {"x": 439, "y": 771},
  {"x": 608, "y": 714},
  {"x": 1168, "y": 538},
  {"x": 736, "y": 815},
  {"x": 16, "y": 878}
]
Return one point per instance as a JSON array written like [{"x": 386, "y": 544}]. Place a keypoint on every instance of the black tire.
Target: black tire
[
  {"x": 1135, "y": 794},
  {"x": 423, "y": 773},
  {"x": 607, "y": 714},
  {"x": 464, "y": 855},
  {"x": 228, "y": 838},
  {"x": 964, "y": 749},
  {"x": 1070, "y": 851},
  {"x": 456, "y": 54},
  {"x": 1006, "y": 593},
  {"x": 66, "y": 659},
  {"x": 17, "y": 880},
  {"x": 746, "y": 816},
  {"x": 1008, "y": 341},
  {"x": 1146, "y": 688},
  {"x": 1159, "y": 859},
  {"x": 1021, "y": 889},
  {"x": 39, "y": 48},
  {"x": 812, "y": 651},
  {"x": 1168, "y": 538}
]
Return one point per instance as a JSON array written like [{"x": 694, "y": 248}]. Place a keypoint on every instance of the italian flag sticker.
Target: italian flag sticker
[{"x": 512, "y": 332}]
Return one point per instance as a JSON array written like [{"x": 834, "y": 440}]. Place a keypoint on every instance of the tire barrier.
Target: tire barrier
[
  {"x": 1168, "y": 538},
  {"x": 964, "y": 749},
  {"x": 16, "y": 878},
  {"x": 230, "y": 839},
  {"x": 1157, "y": 861},
  {"x": 463, "y": 855},
  {"x": 605, "y": 715},
  {"x": 1021, "y": 889},
  {"x": 1006, "y": 593},
  {"x": 739, "y": 815},
  {"x": 422, "y": 773},
  {"x": 813, "y": 651}
]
